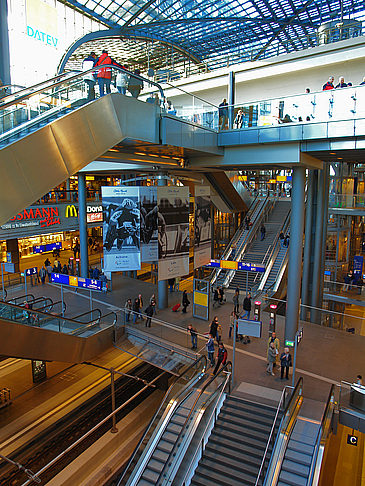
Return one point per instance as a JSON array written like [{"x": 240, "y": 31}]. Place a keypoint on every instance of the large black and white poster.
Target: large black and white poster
[
  {"x": 149, "y": 223},
  {"x": 173, "y": 232},
  {"x": 121, "y": 228},
  {"x": 202, "y": 227}
]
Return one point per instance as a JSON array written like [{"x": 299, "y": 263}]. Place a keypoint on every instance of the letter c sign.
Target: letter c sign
[{"x": 352, "y": 440}]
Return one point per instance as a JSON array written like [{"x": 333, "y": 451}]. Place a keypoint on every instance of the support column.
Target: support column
[
  {"x": 68, "y": 187},
  {"x": 326, "y": 181},
  {"x": 4, "y": 44},
  {"x": 84, "y": 257},
  {"x": 307, "y": 244},
  {"x": 162, "y": 284},
  {"x": 295, "y": 253},
  {"x": 318, "y": 241},
  {"x": 231, "y": 98}
]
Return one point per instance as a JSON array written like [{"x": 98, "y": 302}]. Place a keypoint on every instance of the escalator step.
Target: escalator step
[{"x": 292, "y": 479}]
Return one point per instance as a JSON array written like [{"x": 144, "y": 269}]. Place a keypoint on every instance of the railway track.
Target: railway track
[{"x": 56, "y": 438}]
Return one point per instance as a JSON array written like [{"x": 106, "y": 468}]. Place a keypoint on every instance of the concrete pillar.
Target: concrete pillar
[
  {"x": 307, "y": 245},
  {"x": 12, "y": 247},
  {"x": 318, "y": 242},
  {"x": 231, "y": 98},
  {"x": 162, "y": 284},
  {"x": 295, "y": 253},
  {"x": 84, "y": 257},
  {"x": 4, "y": 44}
]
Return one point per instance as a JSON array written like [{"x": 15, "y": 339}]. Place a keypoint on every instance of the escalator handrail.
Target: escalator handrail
[
  {"x": 296, "y": 397},
  {"x": 93, "y": 323},
  {"x": 201, "y": 358},
  {"x": 79, "y": 74},
  {"x": 20, "y": 297},
  {"x": 224, "y": 369},
  {"x": 321, "y": 438},
  {"x": 52, "y": 305},
  {"x": 86, "y": 313}
]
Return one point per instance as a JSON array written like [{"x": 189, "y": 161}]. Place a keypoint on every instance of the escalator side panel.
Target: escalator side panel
[{"x": 33, "y": 165}]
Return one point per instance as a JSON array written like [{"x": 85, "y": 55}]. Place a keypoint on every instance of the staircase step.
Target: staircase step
[
  {"x": 237, "y": 437},
  {"x": 247, "y": 422},
  {"x": 219, "y": 441},
  {"x": 245, "y": 432},
  {"x": 225, "y": 456},
  {"x": 223, "y": 476}
]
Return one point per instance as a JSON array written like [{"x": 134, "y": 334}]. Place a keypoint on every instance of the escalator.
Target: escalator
[{"x": 51, "y": 129}]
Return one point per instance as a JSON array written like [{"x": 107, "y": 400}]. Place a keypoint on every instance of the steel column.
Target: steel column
[
  {"x": 231, "y": 98},
  {"x": 295, "y": 254},
  {"x": 307, "y": 244},
  {"x": 324, "y": 230},
  {"x": 318, "y": 241},
  {"x": 4, "y": 44},
  {"x": 84, "y": 257},
  {"x": 162, "y": 302}
]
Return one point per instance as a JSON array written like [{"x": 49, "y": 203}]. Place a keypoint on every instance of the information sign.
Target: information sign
[
  {"x": 82, "y": 283},
  {"x": 49, "y": 247},
  {"x": 8, "y": 257},
  {"x": 251, "y": 267},
  {"x": 31, "y": 271},
  {"x": 9, "y": 267},
  {"x": 233, "y": 265},
  {"x": 249, "y": 328}
]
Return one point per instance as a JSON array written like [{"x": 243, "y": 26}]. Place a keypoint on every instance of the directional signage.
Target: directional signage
[
  {"x": 31, "y": 271},
  {"x": 9, "y": 267},
  {"x": 49, "y": 247},
  {"x": 249, "y": 328},
  {"x": 82, "y": 283},
  {"x": 233, "y": 265}
]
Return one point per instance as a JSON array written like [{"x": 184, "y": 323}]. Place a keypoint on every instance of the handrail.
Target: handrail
[
  {"x": 187, "y": 420},
  {"x": 93, "y": 429},
  {"x": 208, "y": 425},
  {"x": 86, "y": 313},
  {"x": 52, "y": 304},
  {"x": 321, "y": 438},
  {"x": 21, "y": 297},
  {"x": 201, "y": 358},
  {"x": 278, "y": 451},
  {"x": 80, "y": 74}
]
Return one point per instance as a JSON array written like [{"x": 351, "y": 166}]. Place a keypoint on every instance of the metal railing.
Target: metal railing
[
  {"x": 281, "y": 439},
  {"x": 322, "y": 437}
]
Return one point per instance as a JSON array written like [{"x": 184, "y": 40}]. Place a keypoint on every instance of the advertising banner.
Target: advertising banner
[
  {"x": 358, "y": 264},
  {"x": 149, "y": 223},
  {"x": 173, "y": 232},
  {"x": 202, "y": 227},
  {"x": 121, "y": 228}
]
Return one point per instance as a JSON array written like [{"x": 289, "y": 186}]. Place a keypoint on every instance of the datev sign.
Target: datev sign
[{"x": 42, "y": 22}]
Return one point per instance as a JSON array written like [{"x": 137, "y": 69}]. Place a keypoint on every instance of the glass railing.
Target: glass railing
[
  {"x": 324, "y": 106},
  {"x": 39, "y": 104},
  {"x": 346, "y": 201},
  {"x": 178, "y": 390},
  {"x": 43, "y": 320}
]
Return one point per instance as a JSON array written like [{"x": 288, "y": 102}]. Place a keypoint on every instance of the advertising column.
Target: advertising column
[
  {"x": 121, "y": 228},
  {"x": 202, "y": 227},
  {"x": 173, "y": 232},
  {"x": 149, "y": 223}
]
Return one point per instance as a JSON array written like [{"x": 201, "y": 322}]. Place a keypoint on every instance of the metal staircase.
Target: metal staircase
[
  {"x": 236, "y": 446},
  {"x": 260, "y": 251}
]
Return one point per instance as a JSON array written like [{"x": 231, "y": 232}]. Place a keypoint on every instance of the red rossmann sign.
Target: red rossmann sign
[{"x": 47, "y": 216}]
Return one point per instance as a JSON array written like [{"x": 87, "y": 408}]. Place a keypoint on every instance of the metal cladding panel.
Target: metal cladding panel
[
  {"x": 360, "y": 127},
  {"x": 360, "y": 144},
  {"x": 249, "y": 136},
  {"x": 341, "y": 129},
  {"x": 342, "y": 145},
  {"x": 229, "y": 138},
  {"x": 267, "y": 135},
  {"x": 314, "y": 130},
  {"x": 172, "y": 132},
  {"x": 317, "y": 146},
  {"x": 292, "y": 132}
]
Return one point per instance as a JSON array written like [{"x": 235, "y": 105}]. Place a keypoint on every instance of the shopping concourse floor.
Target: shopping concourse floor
[{"x": 323, "y": 359}]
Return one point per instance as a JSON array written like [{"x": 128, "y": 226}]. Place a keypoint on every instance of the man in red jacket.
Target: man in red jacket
[
  {"x": 329, "y": 84},
  {"x": 104, "y": 74}
]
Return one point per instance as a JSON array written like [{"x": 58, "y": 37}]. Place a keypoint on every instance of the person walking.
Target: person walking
[
  {"x": 215, "y": 298},
  {"x": 128, "y": 307},
  {"x": 271, "y": 358},
  {"x": 221, "y": 295},
  {"x": 210, "y": 350},
  {"x": 136, "y": 310},
  {"x": 221, "y": 357},
  {"x": 135, "y": 84},
  {"x": 140, "y": 303},
  {"x": 247, "y": 307},
  {"x": 104, "y": 75},
  {"x": 236, "y": 302},
  {"x": 285, "y": 362},
  {"x": 49, "y": 271},
  {"x": 149, "y": 313},
  {"x": 232, "y": 320},
  {"x": 262, "y": 232},
  {"x": 214, "y": 328},
  {"x": 42, "y": 275},
  {"x": 90, "y": 78},
  {"x": 185, "y": 301},
  {"x": 153, "y": 302},
  {"x": 223, "y": 113},
  {"x": 194, "y": 336}
]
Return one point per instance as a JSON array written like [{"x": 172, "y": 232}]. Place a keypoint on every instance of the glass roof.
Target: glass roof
[{"x": 222, "y": 32}]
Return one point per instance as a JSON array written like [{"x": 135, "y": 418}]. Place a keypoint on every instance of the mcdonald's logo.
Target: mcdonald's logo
[{"x": 71, "y": 211}]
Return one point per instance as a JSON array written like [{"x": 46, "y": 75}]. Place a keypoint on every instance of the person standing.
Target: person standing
[
  {"x": 221, "y": 357},
  {"x": 135, "y": 84},
  {"x": 262, "y": 232},
  {"x": 194, "y": 336},
  {"x": 136, "y": 310},
  {"x": 359, "y": 380},
  {"x": 341, "y": 83},
  {"x": 236, "y": 302},
  {"x": 185, "y": 301},
  {"x": 238, "y": 121},
  {"x": 247, "y": 222},
  {"x": 210, "y": 350},
  {"x": 247, "y": 306},
  {"x": 104, "y": 74},
  {"x": 122, "y": 80},
  {"x": 221, "y": 294},
  {"x": 223, "y": 113},
  {"x": 140, "y": 303},
  {"x": 215, "y": 298},
  {"x": 329, "y": 84},
  {"x": 153, "y": 303},
  {"x": 149, "y": 314},
  {"x": 285, "y": 362},
  {"x": 89, "y": 78},
  {"x": 274, "y": 339},
  {"x": 232, "y": 320},
  {"x": 271, "y": 358},
  {"x": 43, "y": 274},
  {"x": 214, "y": 328},
  {"x": 49, "y": 272}
]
